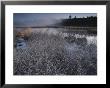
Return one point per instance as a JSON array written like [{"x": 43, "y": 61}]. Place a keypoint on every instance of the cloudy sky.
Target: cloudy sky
[{"x": 43, "y": 19}]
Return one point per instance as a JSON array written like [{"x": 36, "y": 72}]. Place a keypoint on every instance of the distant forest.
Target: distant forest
[{"x": 84, "y": 22}]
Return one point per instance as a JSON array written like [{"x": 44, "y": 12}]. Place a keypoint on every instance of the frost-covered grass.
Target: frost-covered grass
[{"x": 50, "y": 52}]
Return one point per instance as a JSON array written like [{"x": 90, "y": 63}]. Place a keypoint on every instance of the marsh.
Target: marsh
[
  {"x": 55, "y": 44},
  {"x": 57, "y": 51}
]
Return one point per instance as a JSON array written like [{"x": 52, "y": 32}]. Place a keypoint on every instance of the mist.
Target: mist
[{"x": 44, "y": 19}]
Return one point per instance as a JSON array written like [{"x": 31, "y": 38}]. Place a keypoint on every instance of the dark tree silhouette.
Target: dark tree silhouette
[{"x": 84, "y": 22}]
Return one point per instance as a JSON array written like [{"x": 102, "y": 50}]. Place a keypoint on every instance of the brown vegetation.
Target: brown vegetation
[{"x": 25, "y": 33}]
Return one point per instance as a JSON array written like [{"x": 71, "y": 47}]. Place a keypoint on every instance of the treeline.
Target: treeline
[{"x": 84, "y": 22}]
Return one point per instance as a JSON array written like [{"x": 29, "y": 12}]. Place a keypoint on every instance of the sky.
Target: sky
[{"x": 43, "y": 19}]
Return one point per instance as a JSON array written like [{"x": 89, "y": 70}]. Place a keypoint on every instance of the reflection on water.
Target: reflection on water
[{"x": 91, "y": 39}]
